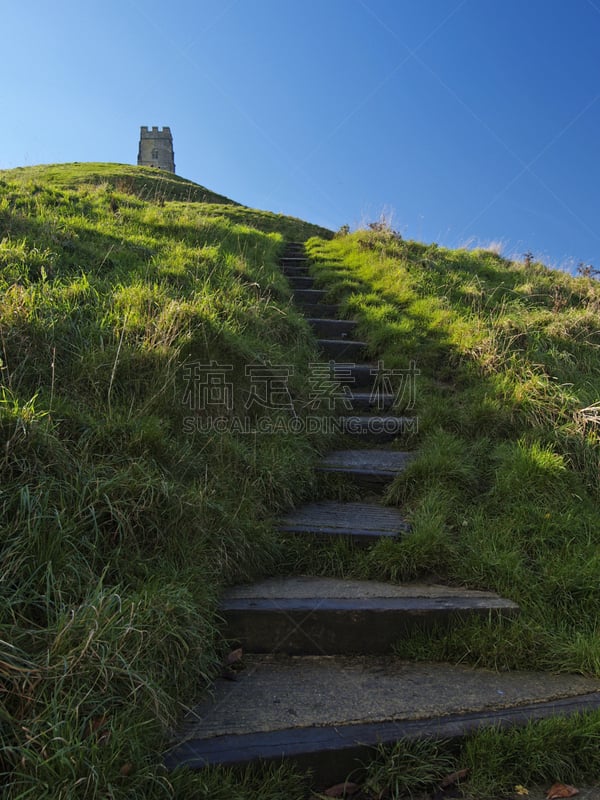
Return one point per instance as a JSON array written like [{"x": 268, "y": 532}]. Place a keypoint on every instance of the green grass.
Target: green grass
[
  {"x": 119, "y": 519},
  {"x": 504, "y": 494},
  {"x": 495, "y": 761}
]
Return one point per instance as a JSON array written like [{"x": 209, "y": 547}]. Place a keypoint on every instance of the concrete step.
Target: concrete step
[
  {"x": 354, "y": 376},
  {"x": 342, "y": 349},
  {"x": 326, "y": 310},
  {"x": 332, "y": 328},
  {"x": 368, "y": 467},
  {"x": 309, "y": 296},
  {"x": 293, "y": 261},
  {"x": 361, "y": 523},
  {"x": 300, "y": 281},
  {"x": 371, "y": 401},
  {"x": 291, "y": 272},
  {"x": 326, "y": 616},
  {"x": 327, "y": 712},
  {"x": 374, "y": 427}
]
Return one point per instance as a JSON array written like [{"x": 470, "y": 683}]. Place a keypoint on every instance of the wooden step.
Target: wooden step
[
  {"x": 361, "y": 523},
  {"x": 326, "y": 616},
  {"x": 342, "y": 349},
  {"x": 332, "y": 328},
  {"x": 371, "y": 467},
  {"x": 326, "y": 713}
]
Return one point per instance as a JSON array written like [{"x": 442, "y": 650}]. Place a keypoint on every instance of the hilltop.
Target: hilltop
[{"x": 121, "y": 522}]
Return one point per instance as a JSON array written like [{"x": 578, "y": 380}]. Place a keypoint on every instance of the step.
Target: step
[
  {"x": 295, "y": 247},
  {"x": 293, "y": 261},
  {"x": 332, "y": 328},
  {"x": 342, "y": 349},
  {"x": 295, "y": 272},
  {"x": 309, "y": 296},
  {"x": 300, "y": 281},
  {"x": 371, "y": 401},
  {"x": 372, "y": 467},
  {"x": 326, "y": 310},
  {"x": 353, "y": 375},
  {"x": 362, "y": 523},
  {"x": 326, "y": 713},
  {"x": 303, "y": 615},
  {"x": 374, "y": 427}
]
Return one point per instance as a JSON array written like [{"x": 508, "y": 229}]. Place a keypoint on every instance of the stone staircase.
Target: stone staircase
[{"x": 321, "y": 684}]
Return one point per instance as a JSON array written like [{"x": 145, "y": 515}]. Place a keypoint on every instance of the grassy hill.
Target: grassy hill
[
  {"x": 122, "y": 514},
  {"x": 505, "y": 492},
  {"x": 119, "y": 519}
]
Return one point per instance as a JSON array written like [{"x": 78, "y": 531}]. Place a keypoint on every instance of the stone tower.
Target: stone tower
[{"x": 156, "y": 148}]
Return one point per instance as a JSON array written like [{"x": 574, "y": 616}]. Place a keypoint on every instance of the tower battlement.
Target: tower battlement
[{"x": 156, "y": 148}]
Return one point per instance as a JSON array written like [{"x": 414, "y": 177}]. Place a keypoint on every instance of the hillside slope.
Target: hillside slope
[
  {"x": 137, "y": 309},
  {"x": 120, "y": 514},
  {"x": 505, "y": 492}
]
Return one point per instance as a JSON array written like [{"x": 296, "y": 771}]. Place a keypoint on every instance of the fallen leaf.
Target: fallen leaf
[
  {"x": 454, "y": 777},
  {"x": 561, "y": 790},
  {"x": 345, "y": 789},
  {"x": 522, "y": 790},
  {"x": 235, "y": 655}
]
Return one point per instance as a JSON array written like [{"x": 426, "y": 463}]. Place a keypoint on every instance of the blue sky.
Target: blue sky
[{"x": 467, "y": 121}]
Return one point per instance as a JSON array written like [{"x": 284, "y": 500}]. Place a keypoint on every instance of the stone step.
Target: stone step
[
  {"x": 369, "y": 467},
  {"x": 332, "y": 328},
  {"x": 300, "y": 281},
  {"x": 326, "y": 616},
  {"x": 342, "y": 349},
  {"x": 361, "y": 523},
  {"x": 326, "y": 713}
]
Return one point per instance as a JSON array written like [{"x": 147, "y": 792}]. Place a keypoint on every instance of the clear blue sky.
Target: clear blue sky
[{"x": 470, "y": 120}]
